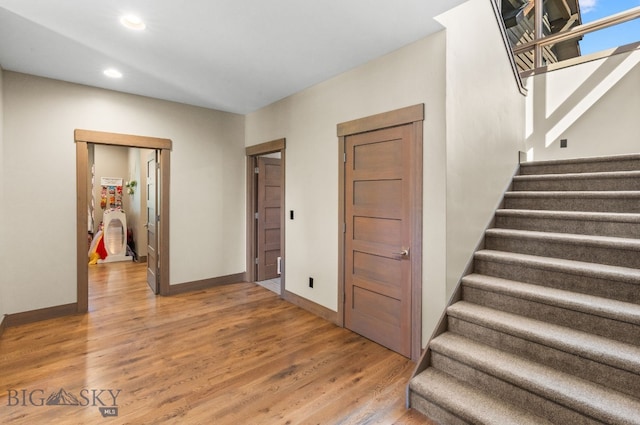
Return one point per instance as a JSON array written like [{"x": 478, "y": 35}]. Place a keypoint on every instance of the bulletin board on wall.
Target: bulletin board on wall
[{"x": 111, "y": 192}]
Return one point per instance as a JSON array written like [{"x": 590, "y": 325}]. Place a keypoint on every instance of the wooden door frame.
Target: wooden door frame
[
  {"x": 152, "y": 157},
  {"x": 410, "y": 115},
  {"x": 163, "y": 146},
  {"x": 252, "y": 152}
]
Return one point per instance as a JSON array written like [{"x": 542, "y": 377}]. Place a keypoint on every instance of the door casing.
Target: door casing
[
  {"x": 410, "y": 115},
  {"x": 163, "y": 146},
  {"x": 252, "y": 152}
]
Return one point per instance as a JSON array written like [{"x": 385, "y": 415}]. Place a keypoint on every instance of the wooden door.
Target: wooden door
[
  {"x": 378, "y": 236},
  {"x": 268, "y": 217},
  {"x": 152, "y": 221}
]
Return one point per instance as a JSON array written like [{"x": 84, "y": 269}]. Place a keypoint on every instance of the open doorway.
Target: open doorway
[
  {"x": 161, "y": 149},
  {"x": 265, "y": 215},
  {"x": 121, "y": 210}
]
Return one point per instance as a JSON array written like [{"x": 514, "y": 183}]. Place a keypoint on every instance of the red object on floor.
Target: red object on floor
[{"x": 101, "y": 250}]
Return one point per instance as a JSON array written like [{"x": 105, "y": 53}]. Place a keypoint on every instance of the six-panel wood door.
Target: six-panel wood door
[{"x": 378, "y": 236}]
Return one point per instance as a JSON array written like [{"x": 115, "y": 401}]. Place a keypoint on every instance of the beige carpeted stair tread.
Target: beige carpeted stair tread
[
  {"x": 594, "y": 194},
  {"x": 571, "y": 215},
  {"x": 549, "y": 319},
  {"x": 469, "y": 403},
  {"x": 600, "y": 349},
  {"x": 582, "y": 165},
  {"x": 567, "y": 238},
  {"x": 584, "y": 160},
  {"x": 566, "y": 390},
  {"x": 589, "y": 304},
  {"x": 616, "y": 273},
  {"x": 579, "y": 176}
]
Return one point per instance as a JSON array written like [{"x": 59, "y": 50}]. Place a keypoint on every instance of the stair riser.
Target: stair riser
[
  {"x": 433, "y": 411},
  {"x": 566, "y": 250},
  {"x": 563, "y": 359},
  {"x": 580, "y": 227},
  {"x": 609, "y": 328},
  {"x": 522, "y": 398},
  {"x": 631, "y": 183},
  {"x": 585, "y": 284},
  {"x": 554, "y": 203},
  {"x": 603, "y": 374},
  {"x": 592, "y": 167}
]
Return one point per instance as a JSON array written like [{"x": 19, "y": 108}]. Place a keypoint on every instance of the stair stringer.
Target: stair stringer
[{"x": 425, "y": 359}]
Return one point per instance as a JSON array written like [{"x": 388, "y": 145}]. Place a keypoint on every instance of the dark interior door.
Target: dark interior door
[{"x": 268, "y": 217}]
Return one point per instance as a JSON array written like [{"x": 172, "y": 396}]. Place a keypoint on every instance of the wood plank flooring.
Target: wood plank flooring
[{"x": 235, "y": 354}]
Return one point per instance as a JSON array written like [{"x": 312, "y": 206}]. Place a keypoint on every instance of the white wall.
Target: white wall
[
  {"x": 594, "y": 105},
  {"x": 137, "y": 209},
  {"x": 207, "y": 187},
  {"x": 3, "y": 238},
  {"x": 127, "y": 164},
  {"x": 110, "y": 161},
  {"x": 472, "y": 133},
  {"x": 485, "y": 127},
  {"x": 308, "y": 120}
]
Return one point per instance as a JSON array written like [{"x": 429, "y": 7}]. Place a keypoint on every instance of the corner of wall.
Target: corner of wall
[
  {"x": 485, "y": 115},
  {"x": 2, "y": 246},
  {"x": 592, "y": 105}
]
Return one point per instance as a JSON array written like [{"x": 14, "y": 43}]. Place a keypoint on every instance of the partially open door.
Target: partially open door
[
  {"x": 152, "y": 222},
  {"x": 268, "y": 217}
]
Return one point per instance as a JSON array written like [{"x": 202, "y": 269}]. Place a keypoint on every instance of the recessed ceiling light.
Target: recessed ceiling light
[
  {"x": 133, "y": 22},
  {"x": 112, "y": 73}
]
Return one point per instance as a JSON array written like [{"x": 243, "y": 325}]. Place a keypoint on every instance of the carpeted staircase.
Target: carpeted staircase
[{"x": 546, "y": 330}]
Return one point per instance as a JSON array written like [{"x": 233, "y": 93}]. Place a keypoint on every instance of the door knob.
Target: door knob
[{"x": 404, "y": 253}]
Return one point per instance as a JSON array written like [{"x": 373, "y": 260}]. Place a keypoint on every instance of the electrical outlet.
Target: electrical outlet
[{"x": 310, "y": 282}]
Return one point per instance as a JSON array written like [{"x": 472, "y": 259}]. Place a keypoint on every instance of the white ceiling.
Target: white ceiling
[{"x": 230, "y": 55}]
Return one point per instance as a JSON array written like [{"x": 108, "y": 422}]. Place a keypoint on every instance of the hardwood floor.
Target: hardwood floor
[{"x": 234, "y": 354}]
